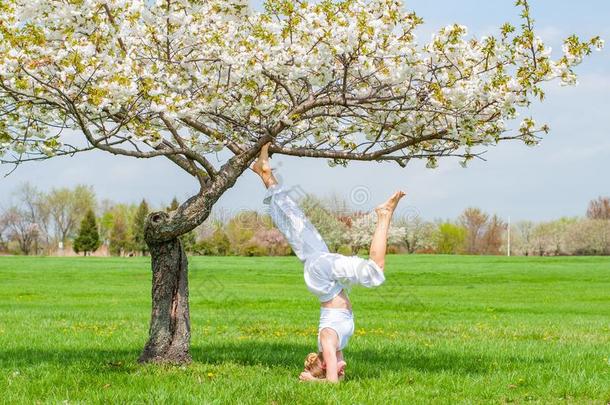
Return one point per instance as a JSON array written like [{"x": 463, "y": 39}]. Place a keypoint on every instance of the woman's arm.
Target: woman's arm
[
  {"x": 332, "y": 369},
  {"x": 330, "y": 341}
]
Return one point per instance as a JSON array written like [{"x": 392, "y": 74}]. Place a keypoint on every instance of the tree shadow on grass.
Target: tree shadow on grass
[
  {"x": 363, "y": 363},
  {"x": 94, "y": 359}
]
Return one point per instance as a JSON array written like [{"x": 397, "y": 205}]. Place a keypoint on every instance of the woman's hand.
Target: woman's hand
[
  {"x": 306, "y": 376},
  {"x": 341, "y": 368}
]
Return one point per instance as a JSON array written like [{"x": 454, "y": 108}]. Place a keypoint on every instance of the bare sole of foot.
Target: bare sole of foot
[{"x": 389, "y": 206}]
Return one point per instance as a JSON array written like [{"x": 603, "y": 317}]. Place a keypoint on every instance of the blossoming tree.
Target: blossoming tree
[{"x": 182, "y": 79}]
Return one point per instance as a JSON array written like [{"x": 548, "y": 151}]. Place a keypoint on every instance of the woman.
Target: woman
[{"x": 327, "y": 275}]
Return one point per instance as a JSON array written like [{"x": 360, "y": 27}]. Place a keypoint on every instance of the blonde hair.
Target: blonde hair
[{"x": 313, "y": 364}]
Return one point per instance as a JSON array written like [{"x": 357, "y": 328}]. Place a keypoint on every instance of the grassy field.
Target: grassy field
[{"x": 441, "y": 330}]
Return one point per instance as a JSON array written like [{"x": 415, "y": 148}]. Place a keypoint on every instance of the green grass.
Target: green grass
[{"x": 441, "y": 330}]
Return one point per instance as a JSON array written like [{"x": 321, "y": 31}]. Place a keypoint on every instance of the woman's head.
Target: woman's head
[{"x": 314, "y": 363}]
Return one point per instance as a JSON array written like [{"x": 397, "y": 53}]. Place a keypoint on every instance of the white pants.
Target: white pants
[{"x": 326, "y": 274}]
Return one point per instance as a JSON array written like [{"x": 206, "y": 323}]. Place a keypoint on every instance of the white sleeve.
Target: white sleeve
[{"x": 354, "y": 270}]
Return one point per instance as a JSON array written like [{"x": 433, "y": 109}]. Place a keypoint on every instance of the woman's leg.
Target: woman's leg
[
  {"x": 380, "y": 236},
  {"x": 300, "y": 233}
]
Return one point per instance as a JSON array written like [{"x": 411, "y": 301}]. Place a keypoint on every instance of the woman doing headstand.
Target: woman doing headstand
[{"x": 326, "y": 274}]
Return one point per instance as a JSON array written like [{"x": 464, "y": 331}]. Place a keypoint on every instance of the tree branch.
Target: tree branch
[
  {"x": 192, "y": 156},
  {"x": 347, "y": 155},
  {"x": 198, "y": 126}
]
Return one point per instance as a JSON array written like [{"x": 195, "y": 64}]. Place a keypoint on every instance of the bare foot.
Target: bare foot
[
  {"x": 388, "y": 207},
  {"x": 262, "y": 166}
]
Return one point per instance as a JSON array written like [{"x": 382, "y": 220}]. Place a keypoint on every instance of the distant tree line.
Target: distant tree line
[
  {"x": 476, "y": 232},
  {"x": 67, "y": 220},
  {"x": 37, "y": 222}
]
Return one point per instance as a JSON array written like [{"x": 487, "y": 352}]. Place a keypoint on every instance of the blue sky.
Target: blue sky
[{"x": 555, "y": 179}]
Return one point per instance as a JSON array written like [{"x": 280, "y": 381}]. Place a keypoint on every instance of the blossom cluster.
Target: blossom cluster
[{"x": 346, "y": 75}]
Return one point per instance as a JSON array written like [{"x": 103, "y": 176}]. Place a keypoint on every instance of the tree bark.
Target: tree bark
[{"x": 170, "y": 331}]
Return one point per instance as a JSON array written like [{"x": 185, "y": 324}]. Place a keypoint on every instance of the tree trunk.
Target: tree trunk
[{"x": 170, "y": 331}]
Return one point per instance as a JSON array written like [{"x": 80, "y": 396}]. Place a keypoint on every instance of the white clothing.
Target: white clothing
[
  {"x": 326, "y": 274},
  {"x": 341, "y": 321}
]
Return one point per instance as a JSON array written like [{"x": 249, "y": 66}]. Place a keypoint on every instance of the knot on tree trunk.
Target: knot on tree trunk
[
  {"x": 157, "y": 226},
  {"x": 165, "y": 226}
]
